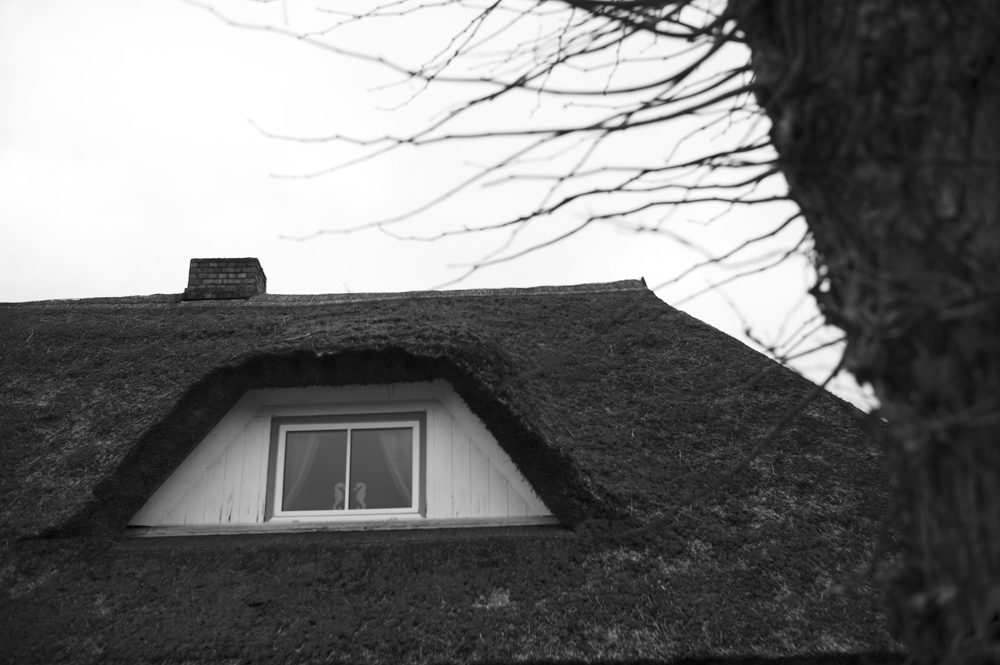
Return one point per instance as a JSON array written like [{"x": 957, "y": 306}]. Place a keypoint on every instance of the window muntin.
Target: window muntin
[{"x": 345, "y": 469}]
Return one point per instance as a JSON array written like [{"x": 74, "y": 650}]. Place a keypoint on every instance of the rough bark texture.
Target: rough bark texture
[{"x": 886, "y": 116}]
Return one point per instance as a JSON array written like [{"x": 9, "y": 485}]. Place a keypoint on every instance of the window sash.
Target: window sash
[{"x": 346, "y": 512}]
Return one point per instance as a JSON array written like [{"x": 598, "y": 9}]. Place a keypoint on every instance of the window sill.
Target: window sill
[{"x": 403, "y": 523}]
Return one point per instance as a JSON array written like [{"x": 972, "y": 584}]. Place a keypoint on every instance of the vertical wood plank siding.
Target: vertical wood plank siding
[{"x": 461, "y": 473}]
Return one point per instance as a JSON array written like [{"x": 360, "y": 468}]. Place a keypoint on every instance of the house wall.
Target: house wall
[{"x": 223, "y": 482}]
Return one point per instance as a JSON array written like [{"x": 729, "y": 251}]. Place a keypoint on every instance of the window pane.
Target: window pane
[
  {"x": 315, "y": 462},
  {"x": 381, "y": 468}
]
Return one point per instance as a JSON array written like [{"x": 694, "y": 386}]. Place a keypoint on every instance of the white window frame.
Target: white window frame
[{"x": 339, "y": 422}]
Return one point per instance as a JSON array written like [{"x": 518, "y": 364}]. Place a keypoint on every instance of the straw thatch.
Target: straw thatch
[{"x": 625, "y": 415}]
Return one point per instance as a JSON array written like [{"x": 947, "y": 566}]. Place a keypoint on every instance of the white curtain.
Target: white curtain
[
  {"x": 397, "y": 451},
  {"x": 298, "y": 457}
]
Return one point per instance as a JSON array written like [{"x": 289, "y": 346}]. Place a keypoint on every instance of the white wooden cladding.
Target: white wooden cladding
[{"x": 223, "y": 482}]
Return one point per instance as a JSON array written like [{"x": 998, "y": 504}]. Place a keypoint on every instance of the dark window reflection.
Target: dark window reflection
[
  {"x": 381, "y": 468},
  {"x": 315, "y": 463}
]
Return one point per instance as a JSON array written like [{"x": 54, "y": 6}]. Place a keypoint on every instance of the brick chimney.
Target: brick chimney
[{"x": 225, "y": 279}]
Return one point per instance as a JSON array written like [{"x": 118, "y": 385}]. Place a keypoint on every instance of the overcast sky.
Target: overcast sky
[{"x": 130, "y": 142}]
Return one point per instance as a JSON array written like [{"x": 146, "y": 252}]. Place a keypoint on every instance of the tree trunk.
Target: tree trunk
[{"x": 886, "y": 117}]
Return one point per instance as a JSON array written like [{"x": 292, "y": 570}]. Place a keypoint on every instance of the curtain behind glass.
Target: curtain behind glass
[
  {"x": 315, "y": 461},
  {"x": 382, "y": 468}
]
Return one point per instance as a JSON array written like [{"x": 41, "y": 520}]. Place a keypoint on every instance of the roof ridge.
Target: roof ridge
[{"x": 319, "y": 299}]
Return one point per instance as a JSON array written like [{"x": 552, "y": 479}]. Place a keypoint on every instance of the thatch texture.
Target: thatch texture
[{"x": 621, "y": 411}]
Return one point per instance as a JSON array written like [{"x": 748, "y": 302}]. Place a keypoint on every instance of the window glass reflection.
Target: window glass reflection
[
  {"x": 381, "y": 468},
  {"x": 315, "y": 468}
]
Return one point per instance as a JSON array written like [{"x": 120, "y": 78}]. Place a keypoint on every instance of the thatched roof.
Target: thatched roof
[{"x": 623, "y": 413}]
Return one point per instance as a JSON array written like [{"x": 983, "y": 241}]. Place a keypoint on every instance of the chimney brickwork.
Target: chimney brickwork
[{"x": 225, "y": 279}]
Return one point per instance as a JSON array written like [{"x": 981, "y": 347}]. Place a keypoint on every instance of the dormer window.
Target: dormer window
[
  {"x": 345, "y": 468},
  {"x": 388, "y": 456}
]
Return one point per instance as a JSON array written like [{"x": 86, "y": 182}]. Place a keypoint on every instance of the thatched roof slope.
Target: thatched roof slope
[{"x": 618, "y": 409}]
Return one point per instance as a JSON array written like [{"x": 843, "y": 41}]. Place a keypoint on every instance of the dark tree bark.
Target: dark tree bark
[{"x": 886, "y": 117}]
